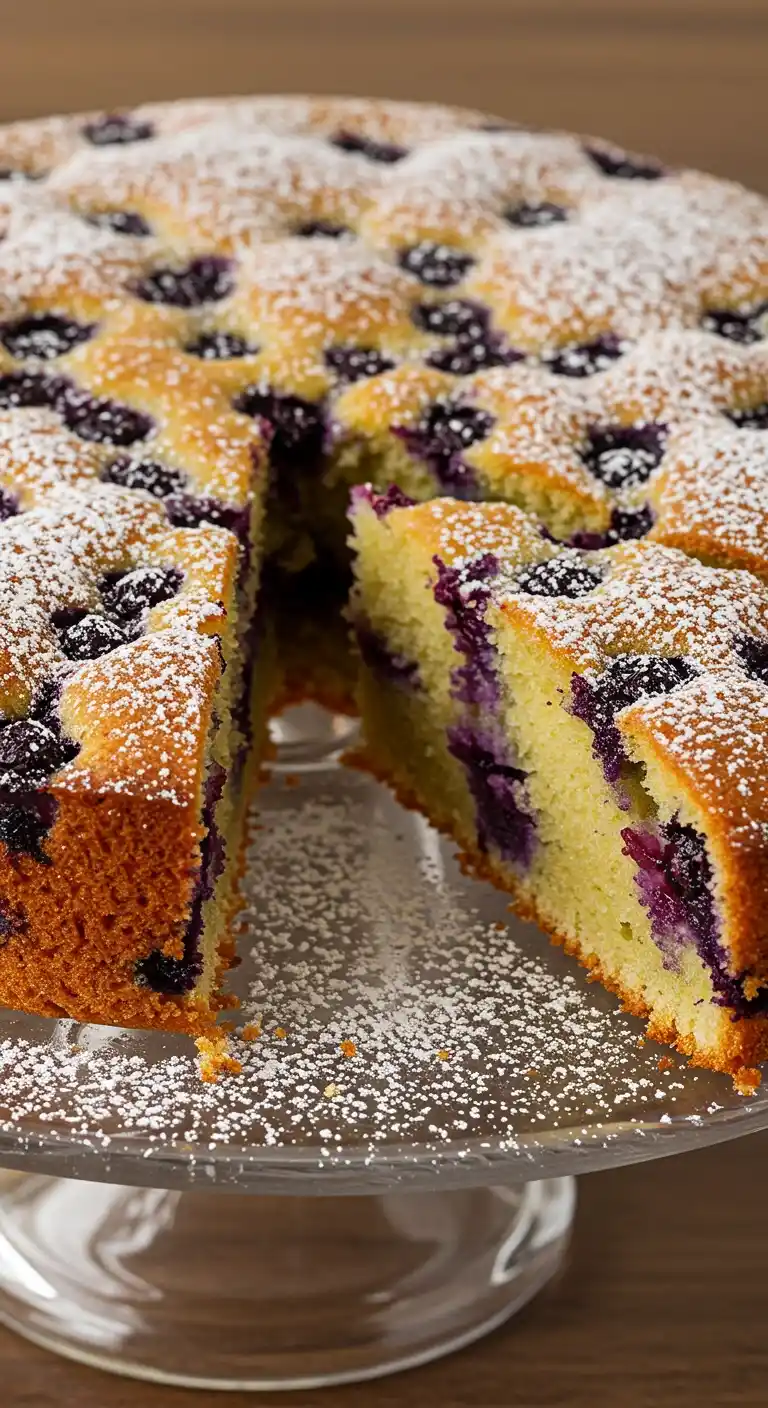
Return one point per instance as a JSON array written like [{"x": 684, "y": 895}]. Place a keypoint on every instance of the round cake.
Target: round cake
[{"x": 538, "y": 366}]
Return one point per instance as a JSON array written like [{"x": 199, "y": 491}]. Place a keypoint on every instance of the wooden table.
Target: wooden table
[{"x": 665, "y": 1301}]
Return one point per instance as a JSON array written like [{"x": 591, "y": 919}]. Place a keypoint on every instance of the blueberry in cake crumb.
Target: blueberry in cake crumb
[
  {"x": 33, "y": 389},
  {"x": 43, "y": 335},
  {"x": 321, "y": 229},
  {"x": 448, "y": 429},
  {"x": 674, "y": 881},
  {"x": 139, "y": 590},
  {"x": 164, "y": 974},
  {"x": 117, "y": 129},
  {"x": 385, "y": 663},
  {"x": 297, "y": 426},
  {"x": 92, "y": 637},
  {"x": 207, "y": 279},
  {"x": 9, "y": 504},
  {"x": 628, "y": 524},
  {"x": 103, "y": 421},
  {"x": 750, "y": 417},
  {"x": 32, "y": 749},
  {"x": 585, "y": 358},
  {"x": 596, "y": 699},
  {"x": 23, "y": 829},
  {"x": 436, "y": 264},
  {"x": 622, "y": 456},
  {"x": 220, "y": 347},
  {"x": 382, "y": 504},
  {"x": 753, "y": 657},
  {"x": 738, "y": 325},
  {"x": 150, "y": 475},
  {"x": 186, "y": 510},
  {"x": 531, "y": 215},
  {"x": 623, "y": 166},
  {"x": 357, "y": 363},
  {"x": 465, "y": 593},
  {"x": 120, "y": 222},
  {"x": 386, "y": 152},
  {"x": 565, "y": 575},
  {"x": 498, "y": 789}
]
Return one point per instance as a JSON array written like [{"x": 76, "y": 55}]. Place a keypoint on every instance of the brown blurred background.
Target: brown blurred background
[
  {"x": 685, "y": 78},
  {"x": 665, "y": 1302}
]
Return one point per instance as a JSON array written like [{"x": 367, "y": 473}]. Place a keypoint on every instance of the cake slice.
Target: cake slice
[
  {"x": 122, "y": 753},
  {"x": 592, "y": 729}
]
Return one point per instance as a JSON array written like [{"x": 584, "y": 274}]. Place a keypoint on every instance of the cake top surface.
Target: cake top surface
[{"x": 189, "y": 290}]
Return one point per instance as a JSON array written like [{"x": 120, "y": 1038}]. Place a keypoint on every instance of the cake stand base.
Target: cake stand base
[{"x": 236, "y": 1292}]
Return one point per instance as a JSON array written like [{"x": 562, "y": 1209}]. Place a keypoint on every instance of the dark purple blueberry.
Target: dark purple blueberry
[
  {"x": 140, "y": 590},
  {"x": 448, "y": 430},
  {"x": 743, "y": 325},
  {"x": 120, "y": 222},
  {"x": 622, "y": 456},
  {"x": 43, "y": 335},
  {"x": 596, "y": 699},
  {"x": 456, "y": 317},
  {"x": 23, "y": 829},
  {"x": 674, "y": 880},
  {"x": 436, "y": 264},
  {"x": 190, "y": 510},
  {"x": 92, "y": 637},
  {"x": 474, "y": 345},
  {"x": 32, "y": 389},
  {"x": 220, "y": 347},
  {"x": 504, "y": 821},
  {"x": 106, "y": 422},
  {"x": 386, "y": 152},
  {"x": 382, "y": 504},
  {"x": 750, "y": 417},
  {"x": 624, "y": 166},
  {"x": 321, "y": 229},
  {"x": 27, "y": 746},
  {"x": 357, "y": 363},
  {"x": 464, "y": 593},
  {"x": 566, "y": 575},
  {"x": 172, "y": 976},
  {"x": 585, "y": 358},
  {"x": 531, "y": 215},
  {"x": 207, "y": 279},
  {"x": 463, "y": 357},
  {"x": 753, "y": 656},
  {"x": 628, "y": 524},
  {"x": 297, "y": 426},
  {"x": 149, "y": 475},
  {"x": 9, "y": 505},
  {"x": 117, "y": 129},
  {"x": 384, "y": 662}
]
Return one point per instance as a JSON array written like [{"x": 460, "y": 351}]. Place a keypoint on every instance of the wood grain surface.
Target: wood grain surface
[{"x": 665, "y": 1301}]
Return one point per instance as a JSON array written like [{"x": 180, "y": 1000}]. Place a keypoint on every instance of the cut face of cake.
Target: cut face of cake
[
  {"x": 592, "y": 729},
  {"x": 220, "y": 318}
]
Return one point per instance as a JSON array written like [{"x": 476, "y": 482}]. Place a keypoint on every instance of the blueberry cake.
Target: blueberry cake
[{"x": 221, "y": 319}]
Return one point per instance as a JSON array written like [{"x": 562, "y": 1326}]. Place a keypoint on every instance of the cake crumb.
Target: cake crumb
[
  {"x": 747, "y": 1080},
  {"x": 348, "y": 1048},
  {"x": 250, "y": 1032},
  {"x": 664, "y": 1063},
  {"x": 443, "y": 1055},
  {"x": 280, "y": 1033},
  {"x": 215, "y": 1060},
  {"x": 332, "y": 1091}
]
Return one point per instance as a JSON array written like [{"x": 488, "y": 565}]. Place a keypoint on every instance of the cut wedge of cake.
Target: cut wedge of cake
[{"x": 592, "y": 729}]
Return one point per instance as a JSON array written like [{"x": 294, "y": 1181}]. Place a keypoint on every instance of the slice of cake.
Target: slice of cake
[{"x": 592, "y": 729}]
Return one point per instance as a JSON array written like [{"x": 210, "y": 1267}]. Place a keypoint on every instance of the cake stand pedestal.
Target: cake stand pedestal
[{"x": 391, "y": 1175}]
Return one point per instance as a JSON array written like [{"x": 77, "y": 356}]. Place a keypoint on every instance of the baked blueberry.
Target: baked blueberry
[
  {"x": 220, "y": 347},
  {"x": 43, "y": 335},
  {"x": 753, "y": 656},
  {"x": 32, "y": 389},
  {"x": 297, "y": 426},
  {"x": 207, "y": 279},
  {"x": 621, "y": 456},
  {"x": 9, "y": 504},
  {"x": 585, "y": 358},
  {"x": 630, "y": 523},
  {"x": 187, "y": 510},
  {"x": 28, "y": 746},
  {"x": 117, "y": 129},
  {"x": 456, "y": 317},
  {"x": 140, "y": 590},
  {"x": 392, "y": 497},
  {"x": 437, "y": 264},
  {"x": 23, "y": 830},
  {"x": 120, "y": 222},
  {"x": 498, "y": 789},
  {"x": 624, "y": 166},
  {"x": 168, "y": 975},
  {"x": 149, "y": 475},
  {"x": 357, "y": 363},
  {"x": 531, "y": 215},
  {"x": 448, "y": 429},
  {"x": 92, "y": 637},
  {"x": 566, "y": 575},
  {"x": 626, "y": 679},
  {"x": 386, "y": 152},
  {"x": 106, "y": 422},
  {"x": 750, "y": 417}
]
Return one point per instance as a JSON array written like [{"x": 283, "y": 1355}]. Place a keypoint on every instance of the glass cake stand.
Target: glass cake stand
[{"x": 422, "y": 1077}]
